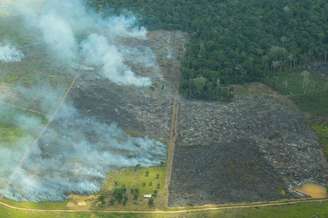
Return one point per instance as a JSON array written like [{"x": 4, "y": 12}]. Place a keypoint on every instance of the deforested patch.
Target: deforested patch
[
  {"x": 53, "y": 147},
  {"x": 255, "y": 148}
]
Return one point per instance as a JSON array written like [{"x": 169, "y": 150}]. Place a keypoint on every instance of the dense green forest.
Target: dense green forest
[{"x": 236, "y": 41}]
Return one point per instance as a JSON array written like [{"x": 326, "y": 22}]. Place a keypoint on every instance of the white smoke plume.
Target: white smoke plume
[
  {"x": 9, "y": 53},
  {"x": 72, "y": 32},
  {"x": 96, "y": 51},
  {"x": 73, "y": 156},
  {"x": 75, "y": 152}
]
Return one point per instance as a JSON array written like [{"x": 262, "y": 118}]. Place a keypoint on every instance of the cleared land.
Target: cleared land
[
  {"x": 253, "y": 174},
  {"x": 254, "y": 148},
  {"x": 217, "y": 142},
  {"x": 137, "y": 183}
]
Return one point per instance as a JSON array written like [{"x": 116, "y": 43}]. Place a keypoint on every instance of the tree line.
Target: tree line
[{"x": 235, "y": 41}]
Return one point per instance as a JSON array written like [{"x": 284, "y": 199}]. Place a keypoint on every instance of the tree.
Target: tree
[
  {"x": 199, "y": 84},
  {"x": 151, "y": 202},
  {"x": 119, "y": 195}
]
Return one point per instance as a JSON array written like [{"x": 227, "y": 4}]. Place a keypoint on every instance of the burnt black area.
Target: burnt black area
[
  {"x": 138, "y": 111},
  {"x": 107, "y": 103},
  {"x": 226, "y": 172},
  {"x": 255, "y": 148}
]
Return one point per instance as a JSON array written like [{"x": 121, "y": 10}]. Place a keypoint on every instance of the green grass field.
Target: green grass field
[
  {"x": 308, "y": 90},
  {"x": 8, "y": 213},
  {"x": 146, "y": 180},
  {"x": 39, "y": 205},
  {"x": 11, "y": 130},
  {"x": 302, "y": 210},
  {"x": 321, "y": 129},
  {"x": 9, "y": 133}
]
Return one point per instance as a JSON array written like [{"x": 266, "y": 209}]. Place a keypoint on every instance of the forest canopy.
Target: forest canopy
[{"x": 236, "y": 41}]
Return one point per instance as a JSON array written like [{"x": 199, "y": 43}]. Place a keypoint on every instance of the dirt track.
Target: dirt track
[
  {"x": 178, "y": 210},
  {"x": 171, "y": 145}
]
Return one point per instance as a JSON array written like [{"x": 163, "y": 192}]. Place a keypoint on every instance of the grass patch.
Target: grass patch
[
  {"x": 10, "y": 134},
  {"x": 39, "y": 205},
  {"x": 9, "y": 30},
  {"x": 10, "y": 112},
  {"x": 16, "y": 124},
  {"x": 11, "y": 213},
  {"x": 127, "y": 188},
  {"x": 302, "y": 210},
  {"x": 316, "y": 104},
  {"x": 308, "y": 90},
  {"x": 9, "y": 78},
  {"x": 134, "y": 133},
  {"x": 322, "y": 132},
  {"x": 306, "y": 210}
]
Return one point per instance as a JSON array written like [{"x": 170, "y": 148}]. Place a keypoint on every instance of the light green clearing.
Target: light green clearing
[
  {"x": 148, "y": 180},
  {"x": 322, "y": 132},
  {"x": 10, "y": 134},
  {"x": 308, "y": 90}
]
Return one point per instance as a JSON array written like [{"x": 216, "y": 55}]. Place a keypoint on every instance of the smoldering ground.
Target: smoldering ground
[
  {"x": 75, "y": 152},
  {"x": 8, "y": 53},
  {"x": 74, "y": 34},
  {"x": 73, "y": 155}
]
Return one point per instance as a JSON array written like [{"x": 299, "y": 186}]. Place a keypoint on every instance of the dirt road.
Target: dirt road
[
  {"x": 171, "y": 145},
  {"x": 178, "y": 210}
]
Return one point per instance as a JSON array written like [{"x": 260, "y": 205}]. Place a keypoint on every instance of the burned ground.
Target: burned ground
[
  {"x": 139, "y": 111},
  {"x": 254, "y": 149},
  {"x": 234, "y": 171},
  {"x": 131, "y": 109}
]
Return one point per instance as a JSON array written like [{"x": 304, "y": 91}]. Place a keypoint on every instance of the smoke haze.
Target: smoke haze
[
  {"x": 75, "y": 152},
  {"x": 9, "y": 53},
  {"x": 62, "y": 23}
]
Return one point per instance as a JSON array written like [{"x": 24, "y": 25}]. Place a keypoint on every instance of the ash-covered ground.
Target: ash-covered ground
[
  {"x": 256, "y": 148},
  {"x": 139, "y": 111}
]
